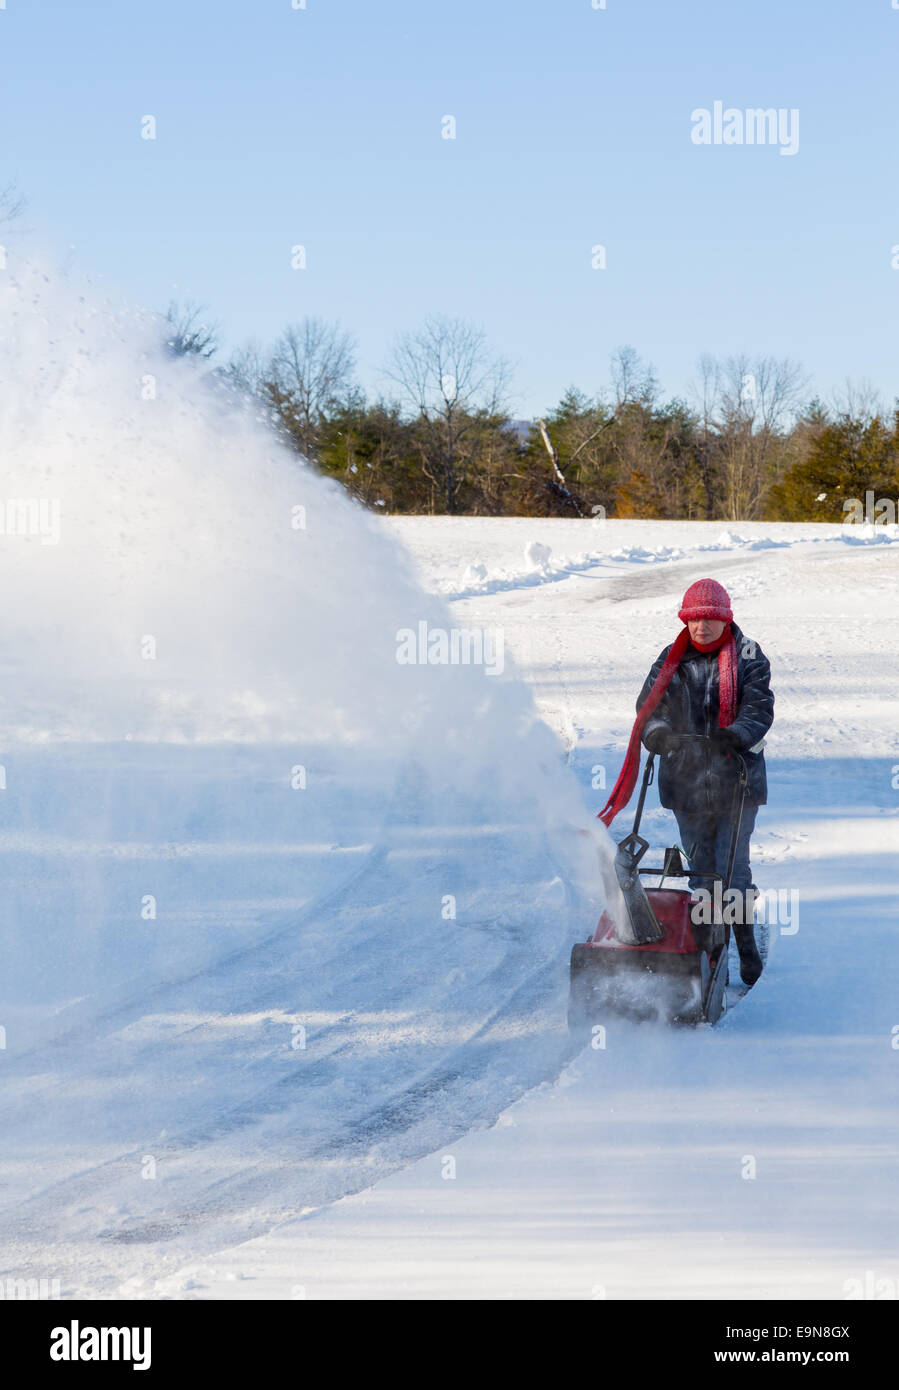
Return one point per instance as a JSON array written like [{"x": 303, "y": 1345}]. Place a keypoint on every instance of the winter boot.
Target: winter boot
[
  {"x": 750, "y": 960},
  {"x": 743, "y": 921}
]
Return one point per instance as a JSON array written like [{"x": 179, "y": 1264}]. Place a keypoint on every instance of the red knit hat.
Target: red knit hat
[{"x": 706, "y": 599}]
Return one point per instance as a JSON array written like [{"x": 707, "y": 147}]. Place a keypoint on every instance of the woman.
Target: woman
[{"x": 707, "y": 698}]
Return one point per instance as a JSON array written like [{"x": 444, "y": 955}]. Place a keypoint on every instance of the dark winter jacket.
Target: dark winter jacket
[{"x": 697, "y": 777}]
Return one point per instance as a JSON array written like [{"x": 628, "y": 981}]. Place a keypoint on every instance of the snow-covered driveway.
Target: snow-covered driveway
[
  {"x": 755, "y": 1161},
  {"x": 195, "y": 1131}
]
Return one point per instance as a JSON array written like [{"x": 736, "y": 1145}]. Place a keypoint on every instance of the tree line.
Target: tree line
[{"x": 749, "y": 444}]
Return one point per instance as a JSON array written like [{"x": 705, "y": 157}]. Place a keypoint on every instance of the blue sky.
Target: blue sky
[{"x": 322, "y": 127}]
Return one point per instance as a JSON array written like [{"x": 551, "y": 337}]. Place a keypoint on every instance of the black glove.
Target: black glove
[
  {"x": 662, "y": 741},
  {"x": 726, "y": 740}
]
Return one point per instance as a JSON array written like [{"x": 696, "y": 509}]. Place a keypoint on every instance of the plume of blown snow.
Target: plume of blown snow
[{"x": 201, "y": 583}]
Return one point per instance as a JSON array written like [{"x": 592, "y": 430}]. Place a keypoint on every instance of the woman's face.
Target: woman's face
[{"x": 705, "y": 630}]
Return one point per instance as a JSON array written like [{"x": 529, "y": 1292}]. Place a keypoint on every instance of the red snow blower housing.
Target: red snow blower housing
[{"x": 664, "y": 961}]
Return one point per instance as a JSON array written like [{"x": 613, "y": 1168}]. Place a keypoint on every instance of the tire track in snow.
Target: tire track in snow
[
  {"x": 133, "y": 995},
  {"x": 419, "y": 1098}
]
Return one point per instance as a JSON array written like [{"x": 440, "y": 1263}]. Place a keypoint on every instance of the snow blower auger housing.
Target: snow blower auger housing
[{"x": 660, "y": 963}]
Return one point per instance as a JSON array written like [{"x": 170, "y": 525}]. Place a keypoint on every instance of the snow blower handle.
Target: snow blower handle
[
  {"x": 647, "y": 781},
  {"x": 736, "y": 814}
]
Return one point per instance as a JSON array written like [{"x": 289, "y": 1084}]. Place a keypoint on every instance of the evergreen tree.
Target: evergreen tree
[{"x": 846, "y": 459}]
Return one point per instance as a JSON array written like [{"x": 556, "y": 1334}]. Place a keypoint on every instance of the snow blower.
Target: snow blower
[{"x": 662, "y": 961}]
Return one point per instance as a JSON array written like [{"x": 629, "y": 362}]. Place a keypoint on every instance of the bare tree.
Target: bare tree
[
  {"x": 757, "y": 396},
  {"x": 12, "y": 204},
  {"x": 705, "y": 393},
  {"x": 642, "y": 435},
  {"x": 457, "y": 388},
  {"x": 762, "y": 390},
  {"x": 310, "y": 372},
  {"x": 188, "y": 333},
  {"x": 248, "y": 367},
  {"x": 634, "y": 380},
  {"x": 858, "y": 401},
  {"x": 745, "y": 406},
  {"x": 705, "y": 390}
]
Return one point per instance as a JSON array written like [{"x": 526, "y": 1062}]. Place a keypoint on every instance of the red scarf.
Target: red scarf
[{"x": 726, "y": 648}]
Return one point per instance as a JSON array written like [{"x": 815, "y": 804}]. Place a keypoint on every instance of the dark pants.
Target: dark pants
[{"x": 706, "y": 841}]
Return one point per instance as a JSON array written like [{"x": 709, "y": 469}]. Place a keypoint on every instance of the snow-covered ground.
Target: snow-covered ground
[
  {"x": 282, "y": 909},
  {"x": 749, "y": 1162},
  {"x": 287, "y": 920},
  {"x": 754, "y": 1161}
]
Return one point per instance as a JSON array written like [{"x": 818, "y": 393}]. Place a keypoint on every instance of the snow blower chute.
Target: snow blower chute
[{"x": 663, "y": 960}]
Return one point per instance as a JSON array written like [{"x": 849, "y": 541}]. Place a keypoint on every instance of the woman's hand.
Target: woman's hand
[
  {"x": 662, "y": 741},
  {"x": 726, "y": 740}
]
